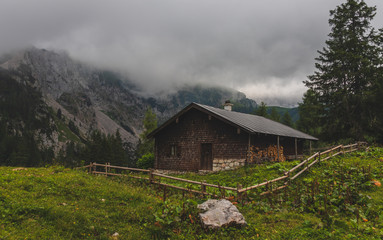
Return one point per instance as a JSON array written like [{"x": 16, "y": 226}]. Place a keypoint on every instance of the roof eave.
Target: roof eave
[
  {"x": 170, "y": 120},
  {"x": 218, "y": 116}
]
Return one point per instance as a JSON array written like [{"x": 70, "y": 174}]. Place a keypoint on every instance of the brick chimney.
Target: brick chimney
[{"x": 227, "y": 106}]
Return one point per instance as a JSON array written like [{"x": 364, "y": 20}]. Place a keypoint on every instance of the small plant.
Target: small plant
[
  {"x": 146, "y": 161},
  {"x": 173, "y": 216}
]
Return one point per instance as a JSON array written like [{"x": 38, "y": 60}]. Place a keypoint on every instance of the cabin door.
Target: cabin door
[{"x": 206, "y": 156}]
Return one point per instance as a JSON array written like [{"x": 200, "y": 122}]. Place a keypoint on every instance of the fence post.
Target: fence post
[
  {"x": 90, "y": 167},
  {"x": 239, "y": 194},
  {"x": 151, "y": 177},
  {"x": 269, "y": 192},
  {"x": 106, "y": 169},
  {"x": 319, "y": 157},
  {"x": 94, "y": 167},
  {"x": 203, "y": 187}
]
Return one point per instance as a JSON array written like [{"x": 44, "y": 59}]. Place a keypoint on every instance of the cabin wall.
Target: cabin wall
[{"x": 178, "y": 146}]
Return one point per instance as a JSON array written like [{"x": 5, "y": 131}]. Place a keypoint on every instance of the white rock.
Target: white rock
[
  {"x": 220, "y": 213},
  {"x": 115, "y": 235}
]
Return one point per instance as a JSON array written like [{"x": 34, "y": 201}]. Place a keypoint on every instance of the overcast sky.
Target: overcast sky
[{"x": 262, "y": 48}]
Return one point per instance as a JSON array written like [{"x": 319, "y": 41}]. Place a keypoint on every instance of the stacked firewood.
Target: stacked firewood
[{"x": 258, "y": 155}]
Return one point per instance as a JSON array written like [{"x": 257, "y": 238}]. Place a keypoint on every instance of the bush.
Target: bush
[{"x": 146, "y": 161}]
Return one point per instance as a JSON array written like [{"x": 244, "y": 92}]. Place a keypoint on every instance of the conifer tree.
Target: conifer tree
[
  {"x": 145, "y": 149},
  {"x": 348, "y": 70},
  {"x": 262, "y": 110},
  {"x": 150, "y": 123},
  {"x": 274, "y": 115},
  {"x": 310, "y": 114},
  {"x": 287, "y": 120}
]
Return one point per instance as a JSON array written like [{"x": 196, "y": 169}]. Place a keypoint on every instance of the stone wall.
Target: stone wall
[{"x": 227, "y": 164}]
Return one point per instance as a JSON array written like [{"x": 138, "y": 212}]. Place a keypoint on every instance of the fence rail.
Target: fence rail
[{"x": 155, "y": 177}]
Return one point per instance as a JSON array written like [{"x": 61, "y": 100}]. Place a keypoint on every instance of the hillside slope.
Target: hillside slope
[
  {"x": 58, "y": 203},
  {"x": 84, "y": 94}
]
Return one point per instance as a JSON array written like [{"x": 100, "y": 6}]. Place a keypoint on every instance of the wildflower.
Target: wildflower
[
  {"x": 157, "y": 224},
  {"x": 376, "y": 183}
]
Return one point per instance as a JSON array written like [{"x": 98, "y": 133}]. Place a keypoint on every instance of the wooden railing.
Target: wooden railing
[
  {"x": 302, "y": 167},
  {"x": 201, "y": 187}
]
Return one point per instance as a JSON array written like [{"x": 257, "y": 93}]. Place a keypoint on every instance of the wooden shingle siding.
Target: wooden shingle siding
[
  {"x": 201, "y": 137},
  {"x": 192, "y": 130}
]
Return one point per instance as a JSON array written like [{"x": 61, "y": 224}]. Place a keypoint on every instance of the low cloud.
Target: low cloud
[{"x": 261, "y": 48}]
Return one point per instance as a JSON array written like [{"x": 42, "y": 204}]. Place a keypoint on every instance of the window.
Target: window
[{"x": 174, "y": 150}]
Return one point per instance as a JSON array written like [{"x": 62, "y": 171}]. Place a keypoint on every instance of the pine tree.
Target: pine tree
[
  {"x": 262, "y": 110},
  {"x": 287, "y": 120},
  {"x": 150, "y": 123},
  {"x": 348, "y": 69},
  {"x": 117, "y": 150},
  {"x": 310, "y": 112},
  {"x": 274, "y": 115}
]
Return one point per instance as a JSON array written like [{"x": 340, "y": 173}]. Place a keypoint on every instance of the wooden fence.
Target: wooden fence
[{"x": 270, "y": 186}]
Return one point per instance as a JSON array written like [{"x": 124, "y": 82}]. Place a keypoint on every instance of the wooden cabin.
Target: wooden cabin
[{"x": 202, "y": 137}]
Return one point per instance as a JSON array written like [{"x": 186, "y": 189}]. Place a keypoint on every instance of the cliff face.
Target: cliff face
[{"x": 92, "y": 98}]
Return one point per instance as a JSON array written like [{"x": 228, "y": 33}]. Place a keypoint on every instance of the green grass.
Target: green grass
[
  {"x": 246, "y": 176},
  {"x": 59, "y": 203}
]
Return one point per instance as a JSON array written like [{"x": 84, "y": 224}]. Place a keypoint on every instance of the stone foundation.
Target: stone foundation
[{"x": 227, "y": 164}]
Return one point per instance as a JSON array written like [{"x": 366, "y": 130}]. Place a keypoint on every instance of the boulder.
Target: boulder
[{"x": 220, "y": 213}]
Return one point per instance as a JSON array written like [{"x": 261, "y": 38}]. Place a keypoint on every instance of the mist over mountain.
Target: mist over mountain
[{"x": 88, "y": 98}]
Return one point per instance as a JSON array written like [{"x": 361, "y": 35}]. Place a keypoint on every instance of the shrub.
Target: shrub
[{"x": 146, "y": 161}]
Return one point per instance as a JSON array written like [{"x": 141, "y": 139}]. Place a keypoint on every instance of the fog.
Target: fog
[{"x": 262, "y": 48}]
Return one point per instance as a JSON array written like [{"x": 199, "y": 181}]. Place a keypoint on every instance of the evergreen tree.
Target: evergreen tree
[
  {"x": 262, "y": 110},
  {"x": 119, "y": 156},
  {"x": 150, "y": 123},
  {"x": 310, "y": 112},
  {"x": 348, "y": 70},
  {"x": 286, "y": 119},
  {"x": 274, "y": 115},
  {"x": 145, "y": 149}
]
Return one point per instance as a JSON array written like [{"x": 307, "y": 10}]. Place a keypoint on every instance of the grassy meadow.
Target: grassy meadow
[{"x": 339, "y": 199}]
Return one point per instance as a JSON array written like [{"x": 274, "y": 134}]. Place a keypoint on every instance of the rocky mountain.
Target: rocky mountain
[
  {"x": 88, "y": 98},
  {"x": 167, "y": 106}
]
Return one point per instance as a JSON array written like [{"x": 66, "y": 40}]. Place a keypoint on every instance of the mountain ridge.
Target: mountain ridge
[{"x": 99, "y": 99}]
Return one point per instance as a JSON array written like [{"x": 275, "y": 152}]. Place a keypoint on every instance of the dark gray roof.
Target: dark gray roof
[
  {"x": 257, "y": 124},
  {"x": 248, "y": 122}
]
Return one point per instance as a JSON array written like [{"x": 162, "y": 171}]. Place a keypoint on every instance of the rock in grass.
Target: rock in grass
[
  {"x": 220, "y": 213},
  {"x": 115, "y": 236}
]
